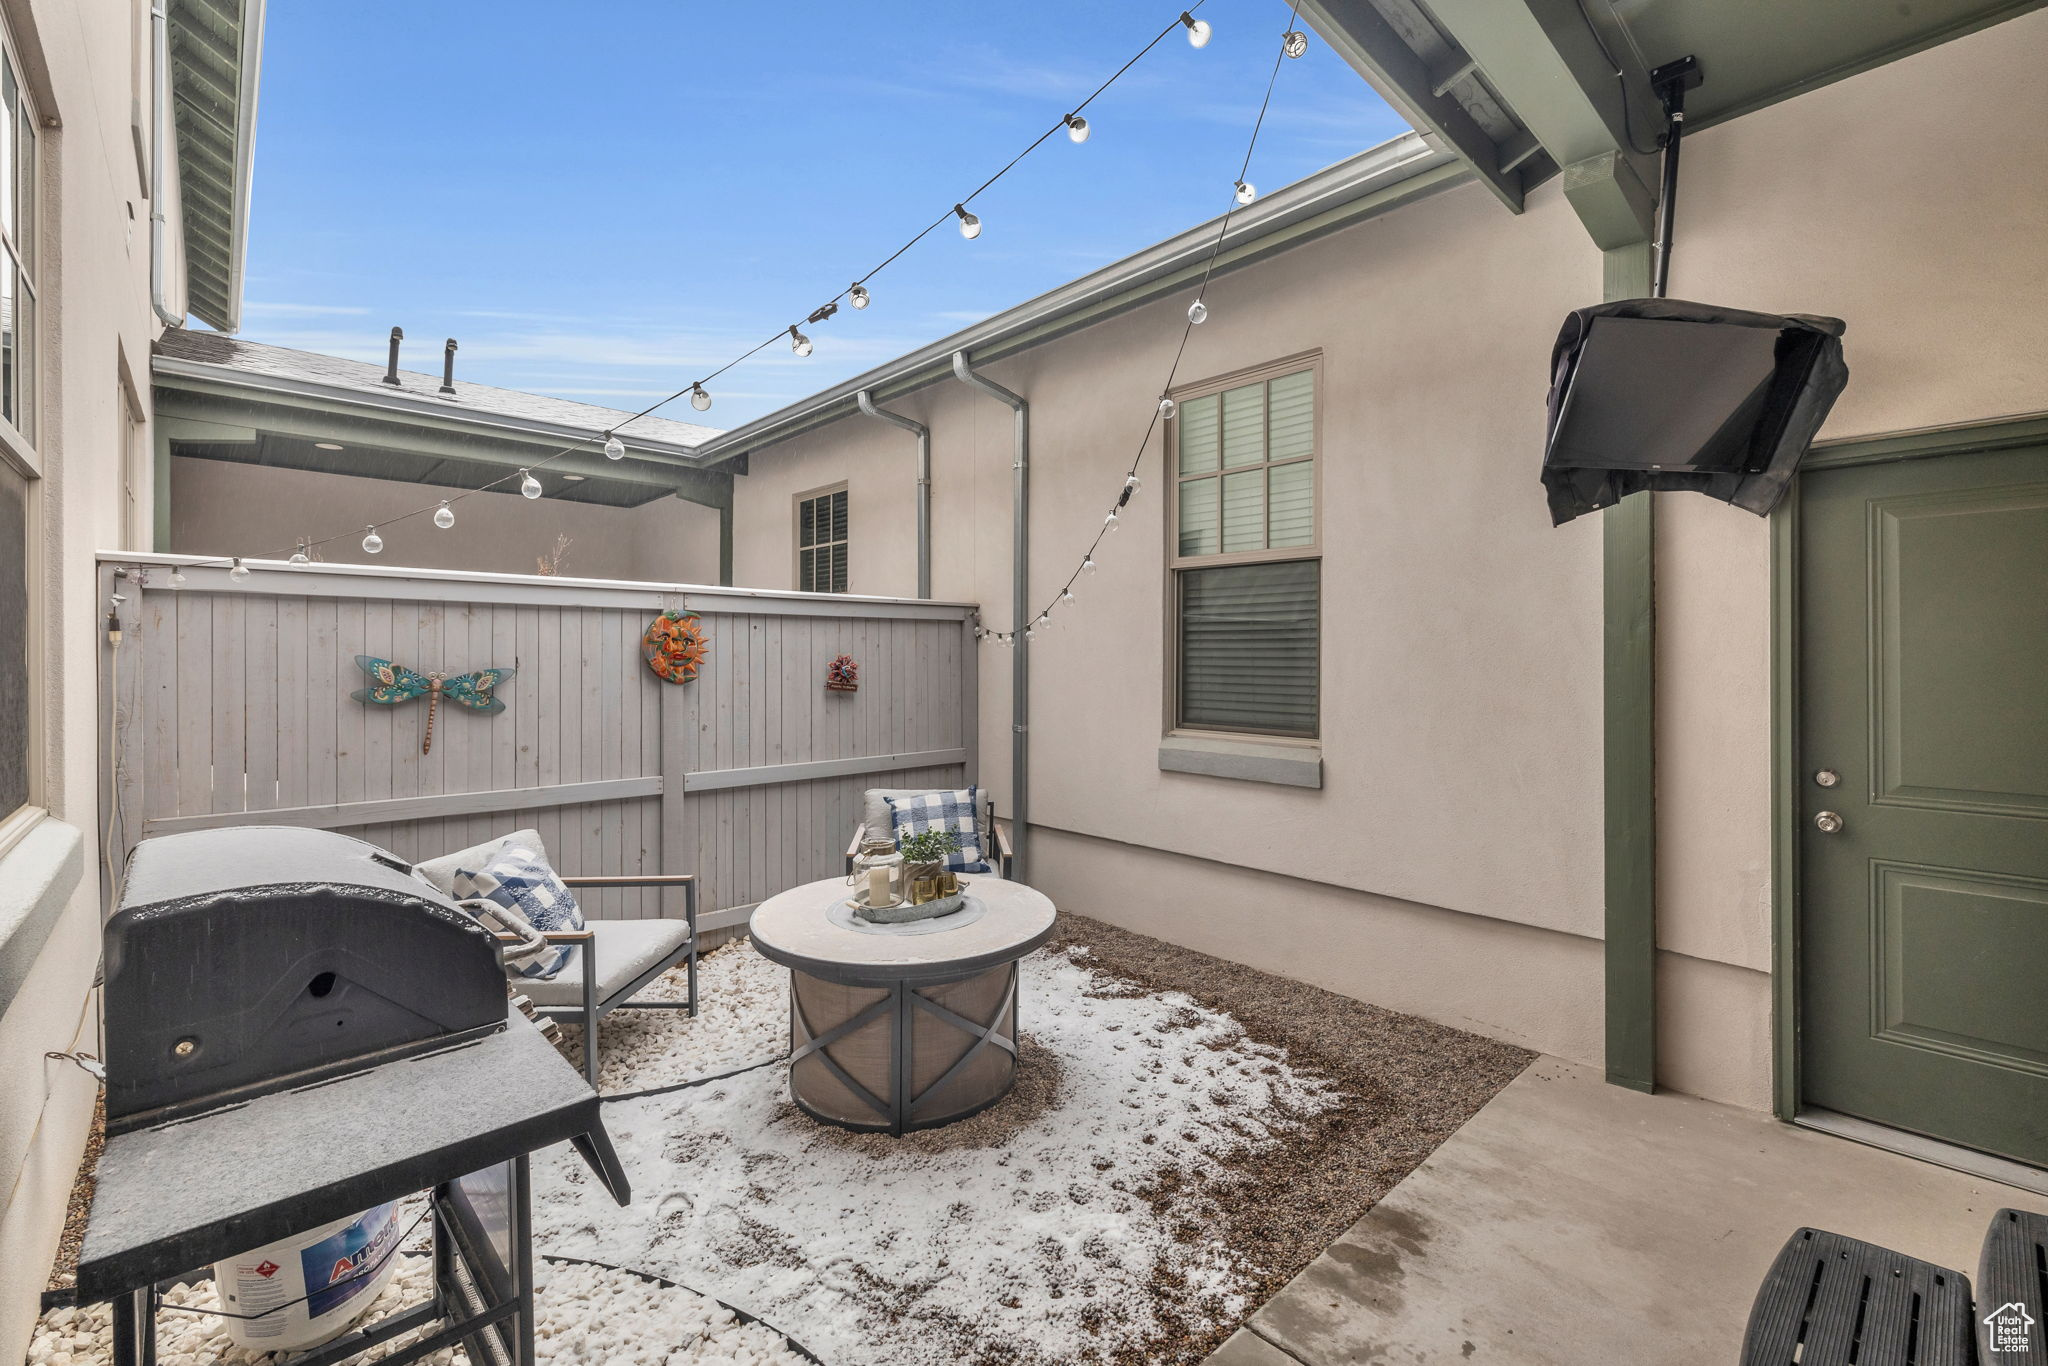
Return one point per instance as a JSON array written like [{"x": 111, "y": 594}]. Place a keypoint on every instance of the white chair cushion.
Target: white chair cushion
[{"x": 625, "y": 949}]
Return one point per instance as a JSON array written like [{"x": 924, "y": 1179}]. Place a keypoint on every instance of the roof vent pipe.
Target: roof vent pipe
[
  {"x": 391, "y": 366},
  {"x": 1020, "y": 614},
  {"x": 447, "y": 368},
  {"x": 866, "y": 401}
]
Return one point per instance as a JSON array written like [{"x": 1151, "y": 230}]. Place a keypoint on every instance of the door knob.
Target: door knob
[{"x": 1828, "y": 822}]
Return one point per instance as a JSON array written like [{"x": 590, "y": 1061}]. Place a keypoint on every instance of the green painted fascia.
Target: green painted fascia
[
  {"x": 2021, "y": 429},
  {"x": 1629, "y": 750}
]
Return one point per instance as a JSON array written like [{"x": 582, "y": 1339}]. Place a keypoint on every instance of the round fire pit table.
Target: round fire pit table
[{"x": 898, "y": 1027}]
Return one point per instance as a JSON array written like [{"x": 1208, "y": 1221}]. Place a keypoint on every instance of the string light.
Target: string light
[
  {"x": 857, "y": 295},
  {"x": 444, "y": 516},
  {"x": 177, "y": 577},
  {"x": 1292, "y": 44},
  {"x": 300, "y": 559},
  {"x": 240, "y": 573},
  {"x": 798, "y": 342}
]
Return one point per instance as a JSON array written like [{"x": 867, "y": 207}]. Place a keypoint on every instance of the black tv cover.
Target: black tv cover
[{"x": 1671, "y": 395}]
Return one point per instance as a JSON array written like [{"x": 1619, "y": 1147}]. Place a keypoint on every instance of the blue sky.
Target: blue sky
[{"x": 605, "y": 201}]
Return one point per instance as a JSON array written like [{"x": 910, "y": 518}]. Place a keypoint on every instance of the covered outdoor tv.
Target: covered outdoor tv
[{"x": 1666, "y": 394}]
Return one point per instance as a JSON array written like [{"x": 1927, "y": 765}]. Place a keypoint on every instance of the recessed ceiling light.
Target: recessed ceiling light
[
  {"x": 573, "y": 478},
  {"x": 328, "y": 445}
]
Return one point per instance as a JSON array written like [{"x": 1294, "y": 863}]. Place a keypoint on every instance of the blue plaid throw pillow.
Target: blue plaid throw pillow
[
  {"x": 955, "y": 811},
  {"x": 520, "y": 880}
]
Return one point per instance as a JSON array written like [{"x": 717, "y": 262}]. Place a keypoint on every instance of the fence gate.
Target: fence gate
[{"x": 228, "y": 704}]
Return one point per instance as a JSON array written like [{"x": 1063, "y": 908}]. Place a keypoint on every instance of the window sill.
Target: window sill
[
  {"x": 37, "y": 878},
  {"x": 1251, "y": 761}
]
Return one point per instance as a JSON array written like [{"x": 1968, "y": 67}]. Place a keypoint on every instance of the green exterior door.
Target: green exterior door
[{"x": 1923, "y": 661}]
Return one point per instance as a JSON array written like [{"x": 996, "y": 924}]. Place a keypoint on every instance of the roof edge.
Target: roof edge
[{"x": 1372, "y": 180}]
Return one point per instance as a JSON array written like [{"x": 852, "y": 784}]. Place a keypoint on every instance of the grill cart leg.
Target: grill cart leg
[{"x": 135, "y": 1328}]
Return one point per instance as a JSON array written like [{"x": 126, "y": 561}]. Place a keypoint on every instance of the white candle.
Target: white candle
[{"x": 878, "y": 886}]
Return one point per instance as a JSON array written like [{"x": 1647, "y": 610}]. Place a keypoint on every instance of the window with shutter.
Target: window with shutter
[
  {"x": 821, "y": 542},
  {"x": 1245, "y": 554}
]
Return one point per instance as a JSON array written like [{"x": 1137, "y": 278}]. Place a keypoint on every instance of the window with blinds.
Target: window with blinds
[
  {"x": 821, "y": 542},
  {"x": 1246, "y": 556}
]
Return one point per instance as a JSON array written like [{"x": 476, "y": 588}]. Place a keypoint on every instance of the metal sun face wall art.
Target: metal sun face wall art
[
  {"x": 674, "y": 646},
  {"x": 393, "y": 684}
]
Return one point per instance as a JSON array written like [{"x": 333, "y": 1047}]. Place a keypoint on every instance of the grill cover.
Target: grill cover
[{"x": 252, "y": 959}]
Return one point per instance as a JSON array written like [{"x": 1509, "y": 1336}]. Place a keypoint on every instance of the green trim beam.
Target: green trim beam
[{"x": 1629, "y": 748}]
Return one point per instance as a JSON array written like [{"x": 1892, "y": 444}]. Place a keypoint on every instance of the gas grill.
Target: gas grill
[{"x": 297, "y": 1030}]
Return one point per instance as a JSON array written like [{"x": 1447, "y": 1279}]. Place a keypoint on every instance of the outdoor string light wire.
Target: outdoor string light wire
[
  {"x": 700, "y": 398},
  {"x": 1292, "y": 44}
]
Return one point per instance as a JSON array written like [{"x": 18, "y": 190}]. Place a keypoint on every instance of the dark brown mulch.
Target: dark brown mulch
[
  {"x": 1409, "y": 1084},
  {"x": 64, "y": 1271}
]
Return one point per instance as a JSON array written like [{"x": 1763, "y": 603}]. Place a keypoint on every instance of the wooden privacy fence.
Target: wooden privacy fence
[{"x": 228, "y": 704}]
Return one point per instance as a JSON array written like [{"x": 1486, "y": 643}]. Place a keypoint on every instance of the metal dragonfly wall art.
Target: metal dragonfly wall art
[{"x": 392, "y": 684}]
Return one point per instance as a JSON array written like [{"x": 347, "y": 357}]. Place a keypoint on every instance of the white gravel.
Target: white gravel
[
  {"x": 1044, "y": 1241},
  {"x": 589, "y": 1316},
  {"x": 742, "y": 1018}
]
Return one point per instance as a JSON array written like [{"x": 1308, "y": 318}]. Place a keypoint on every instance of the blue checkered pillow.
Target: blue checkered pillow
[
  {"x": 519, "y": 879},
  {"x": 955, "y": 811}
]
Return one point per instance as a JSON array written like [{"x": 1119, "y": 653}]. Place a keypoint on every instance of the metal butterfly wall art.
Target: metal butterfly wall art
[{"x": 392, "y": 684}]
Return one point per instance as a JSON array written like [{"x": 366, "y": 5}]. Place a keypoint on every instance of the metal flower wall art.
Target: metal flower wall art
[{"x": 392, "y": 684}]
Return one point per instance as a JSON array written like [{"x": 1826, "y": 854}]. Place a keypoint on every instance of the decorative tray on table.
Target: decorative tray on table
[{"x": 903, "y": 912}]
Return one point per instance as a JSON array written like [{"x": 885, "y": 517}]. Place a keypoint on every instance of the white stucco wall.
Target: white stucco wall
[
  {"x": 95, "y": 322},
  {"x": 1452, "y": 863},
  {"x": 222, "y": 508}
]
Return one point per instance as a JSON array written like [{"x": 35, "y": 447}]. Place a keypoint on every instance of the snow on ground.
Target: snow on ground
[
  {"x": 1060, "y": 1226},
  {"x": 589, "y": 1316}
]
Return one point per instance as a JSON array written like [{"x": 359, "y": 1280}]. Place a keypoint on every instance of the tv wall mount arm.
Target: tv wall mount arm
[{"x": 1670, "y": 81}]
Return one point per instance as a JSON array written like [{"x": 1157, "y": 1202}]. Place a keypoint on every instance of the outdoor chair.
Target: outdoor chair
[
  {"x": 617, "y": 958},
  {"x": 875, "y": 816}
]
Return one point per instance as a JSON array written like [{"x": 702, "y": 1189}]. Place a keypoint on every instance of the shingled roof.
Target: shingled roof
[{"x": 215, "y": 355}]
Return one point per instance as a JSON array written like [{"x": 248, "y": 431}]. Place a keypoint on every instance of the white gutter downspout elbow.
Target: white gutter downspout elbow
[
  {"x": 1020, "y": 611},
  {"x": 866, "y": 402},
  {"x": 159, "y": 128}
]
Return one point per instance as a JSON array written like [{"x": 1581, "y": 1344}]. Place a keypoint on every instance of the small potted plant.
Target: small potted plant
[{"x": 924, "y": 865}]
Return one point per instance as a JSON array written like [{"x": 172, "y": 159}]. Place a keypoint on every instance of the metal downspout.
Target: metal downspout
[
  {"x": 1020, "y": 612},
  {"x": 159, "y": 125},
  {"x": 866, "y": 402}
]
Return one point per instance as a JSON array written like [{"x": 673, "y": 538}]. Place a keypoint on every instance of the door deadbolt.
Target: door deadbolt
[
  {"x": 1828, "y": 822},
  {"x": 1827, "y": 777}
]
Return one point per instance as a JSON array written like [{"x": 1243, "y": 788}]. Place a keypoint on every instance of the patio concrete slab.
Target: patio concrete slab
[{"x": 1571, "y": 1221}]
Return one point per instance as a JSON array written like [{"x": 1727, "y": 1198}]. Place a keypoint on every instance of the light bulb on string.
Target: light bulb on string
[
  {"x": 798, "y": 342},
  {"x": 1198, "y": 30},
  {"x": 1198, "y": 312},
  {"x": 1111, "y": 522},
  {"x": 614, "y": 449},
  {"x": 1088, "y": 565},
  {"x": 700, "y": 400},
  {"x": 970, "y": 226},
  {"x": 444, "y": 516},
  {"x": 177, "y": 578},
  {"x": 300, "y": 559},
  {"x": 373, "y": 544},
  {"x": 1067, "y": 594},
  {"x": 240, "y": 573},
  {"x": 529, "y": 487},
  {"x": 1246, "y": 192},
  {"x": 1133, "y": 483},
  {"x": 1077, "y": 128},
  {"x": 858, "y": 296},
  {"x": 1294, "y": 42},
  {"x": 1167, "y": 407}
]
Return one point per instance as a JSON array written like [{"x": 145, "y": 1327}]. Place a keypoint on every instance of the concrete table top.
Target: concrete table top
[{"x": 795, "y": 928}]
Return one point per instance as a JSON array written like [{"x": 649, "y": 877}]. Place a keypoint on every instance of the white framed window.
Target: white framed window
[
  {"x": 821, "y": 541},
  {"x": 21, "y": 565},
  {"x": 1245, "y": 554}
]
